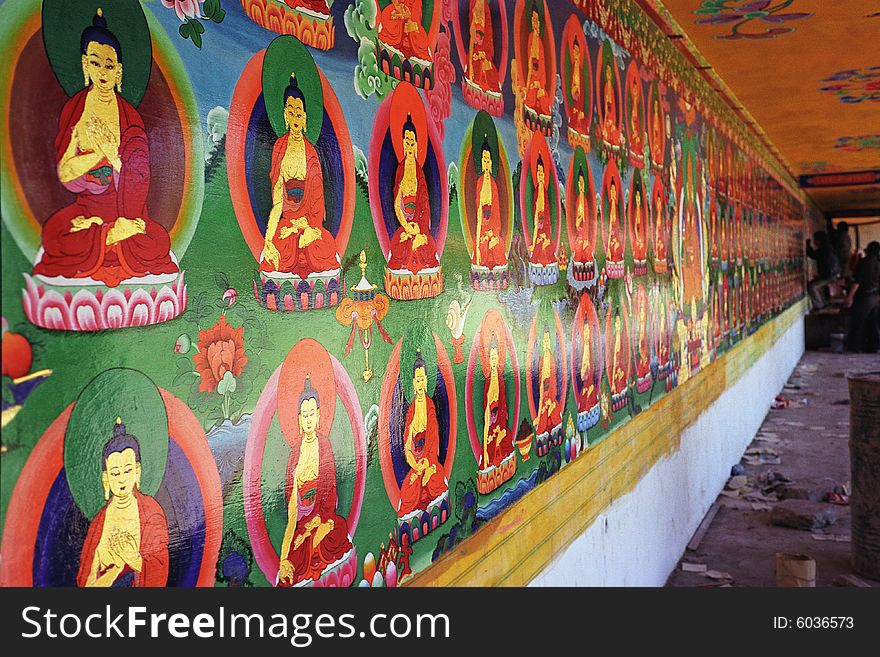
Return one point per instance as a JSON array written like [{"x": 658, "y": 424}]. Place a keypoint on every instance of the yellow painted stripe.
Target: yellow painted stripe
[{"x": 517, "y": 545}]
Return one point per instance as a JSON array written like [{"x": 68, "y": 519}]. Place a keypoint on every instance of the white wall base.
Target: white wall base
[{"x": 639, "y": 539}]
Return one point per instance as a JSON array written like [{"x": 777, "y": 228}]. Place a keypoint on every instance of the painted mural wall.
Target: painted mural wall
[{"x": 304, "y": 292}]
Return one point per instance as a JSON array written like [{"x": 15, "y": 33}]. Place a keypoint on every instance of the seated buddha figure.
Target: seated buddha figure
[
  {"x": 610, "y": 131},
  {"x": 640, "y": 242},
  {"x": 582, "y": 249},
  {"x": 662, "y": 338},
  {"x": 549, "y": 408},
  {"x": 657, "y": 135},
  {"x": 659, "y": 231},
  {"x": 426, "y": 479},
  {"x": 618, "y": 375},
  {"x": 103, "y": 159},
  {"x": 577, "y": 118},
  {"x": 490, "y": 248},
  {"x": 543, "y": 250},
  {"x": 536, "y": 97},
  {"x": 316, "y": 536},
  {"x": 412, "y": 246},
  {"x": 480, "y": 68},
  {"x": 614, "y": 249},
  {"x": 401, "y": 30},
  {"x": 635, "y": 116},
  {"x": 497, "y": 437},
  {"x": 589, "y": 388},
  {"x": 127, "y": 541},
  {"x": 296, "y": 240},
  {"x": 644, "y": 348}
]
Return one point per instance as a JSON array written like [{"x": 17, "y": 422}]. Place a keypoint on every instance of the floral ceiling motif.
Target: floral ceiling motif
[
  {"x": 855, "y": 85},
  {"x": 859, "y": 143},
  {"x": 748, "y": 19}
]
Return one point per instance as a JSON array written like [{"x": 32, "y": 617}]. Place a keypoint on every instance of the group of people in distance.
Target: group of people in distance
[{"x": 855, "y": 277}]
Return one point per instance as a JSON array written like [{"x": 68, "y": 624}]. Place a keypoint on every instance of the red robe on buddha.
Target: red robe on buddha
[
  {"x": 103, "y": 192},
  {"x": 399, "y": 33},
  {"x": 543, "y": 252},
  {"x": 582, "y": 249},
  {"x": 481, "y": 65},
  {"x": 577, "y": 118},
  {"x": 404, "y": 253},
  {"x": 589, "y": 396},
  {"x": 302, "y": 198},
  {"x": 536, "y": 73},
  {"x": 153, "y": 546},
  {"x": 497, "y": 451},
  {"x": 548, "y": 420},
  {"x": 316, "y": 499},
  {"x": 615, "y": 239},
  {"x": 610, "y": 130},
  {"x": 414, "y": 494},
  {"x": 490, "y": 256}
]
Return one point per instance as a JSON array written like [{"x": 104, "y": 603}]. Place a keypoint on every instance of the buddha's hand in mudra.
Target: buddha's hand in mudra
[
  {"x": 271, "y": 254},
  {"x": 123, "y": 228},
  {"x": 410, "y": 26},
  {"x": 309, "y": 234},
  {"x": 321, "y": 533},
  {"x": 82, "y": 223},
  {"x": 104, "y": 140},
  {"x": 125, "y": 547},
  {"x": 427, "y": 473},
  {"x": 285, "y": 572}
]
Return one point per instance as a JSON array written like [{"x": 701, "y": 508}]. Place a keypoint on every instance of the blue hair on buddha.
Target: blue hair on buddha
[
  {"x": 418, "y": 362},
  {"x": 308, "y": 393},
  {"x": 119, "y": 442},
  {"x": 409, "y": 125},
  {"x": 292, "y": 90},
  {"x": 97, "y": 32}
]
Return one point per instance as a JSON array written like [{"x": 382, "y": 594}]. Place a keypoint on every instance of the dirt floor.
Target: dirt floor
[{"x": 809, "y": 439}]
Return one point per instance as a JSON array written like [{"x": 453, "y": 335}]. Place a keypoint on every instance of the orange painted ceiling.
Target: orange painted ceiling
[{"x": 807, "y": 72}]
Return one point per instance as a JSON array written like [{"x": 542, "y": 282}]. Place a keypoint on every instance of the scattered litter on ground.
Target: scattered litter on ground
[
  {"x": 837, "y": 538},
  {"x": 780, "y": 402},
  {"x": 717, "y": 574},
  {"x": 737, "y": 469},
  {"x": 840, "y": 402},
  {"x": 803, "y": 514},
  {"x": 833, "y": 497},
  {"x": 737, "y": 482},
  {"x": 761, "y": 507},
  {"x": 693, "y": 567}
]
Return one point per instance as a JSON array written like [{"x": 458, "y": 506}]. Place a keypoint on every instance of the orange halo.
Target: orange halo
[
  {"x": 406, "y": 102},
  {"x": 307, "y": 358}
]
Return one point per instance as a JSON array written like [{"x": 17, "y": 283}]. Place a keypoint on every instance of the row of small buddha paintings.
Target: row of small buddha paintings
[
  {"x": 631, "y": 107},
  {"x": 294, "y": 187},
  {"x": 124, "y": 489}
]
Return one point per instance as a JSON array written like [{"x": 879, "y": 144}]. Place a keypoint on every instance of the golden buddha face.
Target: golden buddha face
[
  {"x": 309, "y": 417},
  {"x": 536, "y": 22},
  {"x": 486, "y": 162},
  {"x": 295, "y": 114},
  {"x": 493, "y": 358},
  {"x": 612, "y": 193},
  {"x": 540, "y": 175},
  {"x": 101, "y": 65},
  {"x": 420, "y": 382},
  {"x": 122, "y": 473},
  {"x": 581, "y": 185},
  {"x": 410, "y": 145},
  {"x": 576, "y": 54}
]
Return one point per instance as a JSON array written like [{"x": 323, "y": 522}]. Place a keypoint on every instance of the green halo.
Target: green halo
[
  {"x": 579, "y": 159},
  {"x": 417, "y": 337},
  {"x": 484, "y": 127},
  {"x": 63, "y": 24},
  {"x": 131, "y": 396},
  {"x": 286, "y": 55}
]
